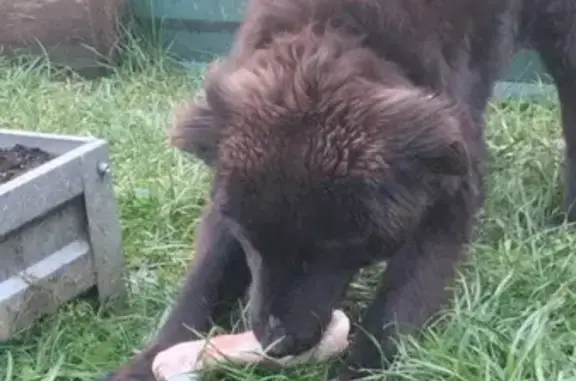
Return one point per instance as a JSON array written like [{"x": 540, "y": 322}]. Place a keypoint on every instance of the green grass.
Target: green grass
[{"x": 514, "y": 318}]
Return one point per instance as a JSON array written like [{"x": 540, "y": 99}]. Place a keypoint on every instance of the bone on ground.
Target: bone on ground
[{"x": 189, "y": 357}]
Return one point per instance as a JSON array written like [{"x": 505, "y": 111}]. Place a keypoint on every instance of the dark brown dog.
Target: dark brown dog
[{"x": 344, "y": 132}]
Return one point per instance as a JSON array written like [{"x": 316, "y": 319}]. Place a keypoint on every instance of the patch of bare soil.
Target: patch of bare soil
[{"x": 19, "y": 159}]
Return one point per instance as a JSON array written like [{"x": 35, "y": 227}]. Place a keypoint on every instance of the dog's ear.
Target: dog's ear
[
  {"x": 426, "y": 128},
  {"x": 442, "y": 147},
  {"x": 194, "y": 131},
  {"x": 449, "y": 157},
  {"x": 197, "y": 125}
]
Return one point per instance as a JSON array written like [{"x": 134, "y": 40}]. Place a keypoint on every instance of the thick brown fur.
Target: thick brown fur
[{"x": 342, "y": 133}]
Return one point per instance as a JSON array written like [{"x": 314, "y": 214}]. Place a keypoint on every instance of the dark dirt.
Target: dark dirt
[{"x": 20, "y": 159}]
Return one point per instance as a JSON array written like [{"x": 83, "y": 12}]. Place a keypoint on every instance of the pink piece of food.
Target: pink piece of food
[{"x": 243, "y": 348}]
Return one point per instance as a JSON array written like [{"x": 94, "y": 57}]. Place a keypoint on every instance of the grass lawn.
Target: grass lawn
[{"x": 514, "y": 318}]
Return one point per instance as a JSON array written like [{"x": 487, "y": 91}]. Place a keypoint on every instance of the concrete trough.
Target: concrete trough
[{"x": 59, "y": 230}]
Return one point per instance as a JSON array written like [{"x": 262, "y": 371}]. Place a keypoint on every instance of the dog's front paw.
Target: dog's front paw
[
  {"x": 129, "y": 375},
  {"x": 139, "y": 369},
  {"x": 346, "y": 372},
  {"x": 113, "y": 376}
]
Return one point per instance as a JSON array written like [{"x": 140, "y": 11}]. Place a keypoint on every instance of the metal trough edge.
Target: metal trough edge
[
  {"x": 50, "y": 275},
  {"x": 61, "y": 179}
]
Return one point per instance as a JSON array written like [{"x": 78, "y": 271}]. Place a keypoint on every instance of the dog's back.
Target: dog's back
[{"x": 449, "y": 45}]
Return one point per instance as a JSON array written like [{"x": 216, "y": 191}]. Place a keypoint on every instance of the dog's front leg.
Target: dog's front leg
[{"x": 412, "y": 291}]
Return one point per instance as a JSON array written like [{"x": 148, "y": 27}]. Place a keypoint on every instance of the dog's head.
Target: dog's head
[{"x": 326, "y": 159}]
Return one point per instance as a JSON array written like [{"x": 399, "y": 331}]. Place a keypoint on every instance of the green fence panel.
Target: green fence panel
[
  {"x": 526, "y": 77},
  {"x": 193, "y": 31},
  {"x": 197, "y": 31}
]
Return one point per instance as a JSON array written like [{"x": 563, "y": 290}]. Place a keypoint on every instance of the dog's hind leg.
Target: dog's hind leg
[{"x": 551, "y": 27}]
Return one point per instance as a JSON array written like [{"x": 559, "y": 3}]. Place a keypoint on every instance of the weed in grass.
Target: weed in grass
[{"x": 514, "y": 318}]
